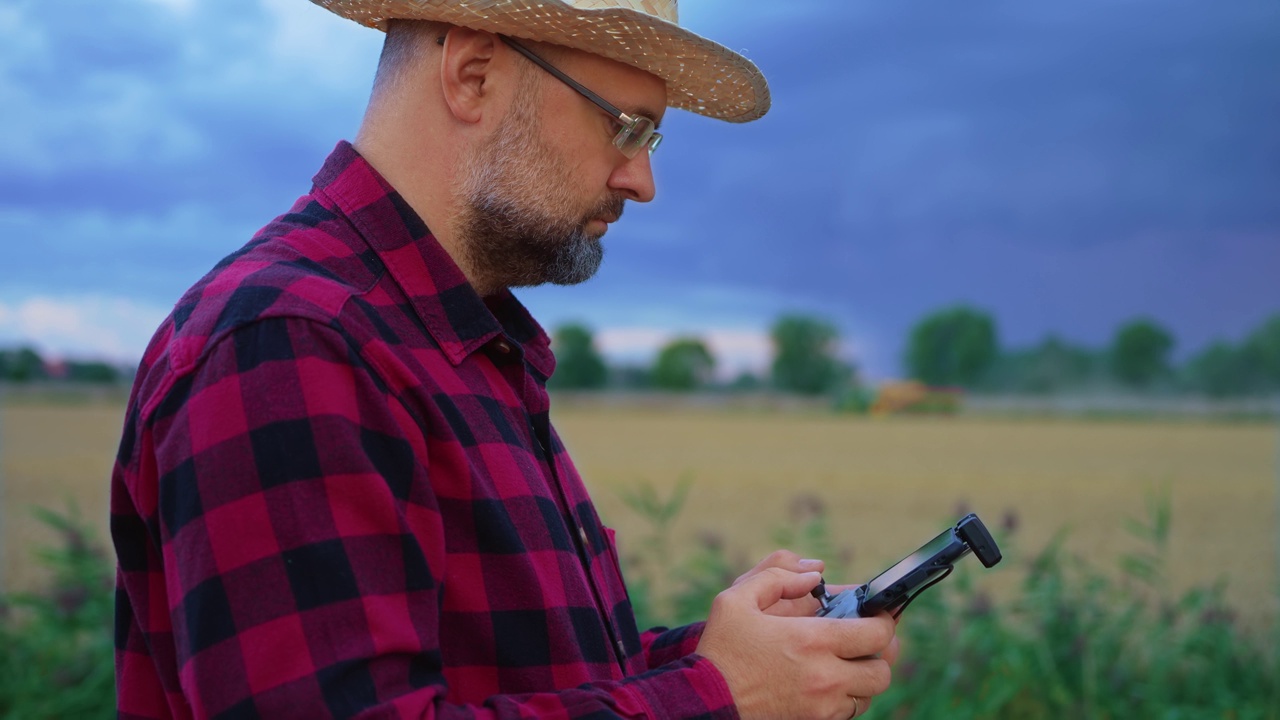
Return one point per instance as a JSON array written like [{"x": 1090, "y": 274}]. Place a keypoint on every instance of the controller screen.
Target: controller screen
[{"x": 897, "y": 572}]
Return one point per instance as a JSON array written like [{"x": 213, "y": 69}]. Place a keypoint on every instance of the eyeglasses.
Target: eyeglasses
[{"x": 637, "y": 132}]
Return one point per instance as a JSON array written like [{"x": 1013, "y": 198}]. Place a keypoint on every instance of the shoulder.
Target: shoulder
[{"x": 308, "y": 265}]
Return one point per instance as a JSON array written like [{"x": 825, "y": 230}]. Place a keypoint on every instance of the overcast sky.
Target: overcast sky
[{"x": 1065, "y": 166}]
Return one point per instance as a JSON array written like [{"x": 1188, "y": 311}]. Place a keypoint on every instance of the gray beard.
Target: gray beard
[
  {"x": 521, "y": 223},
  {"x": 514, "y": 246}
]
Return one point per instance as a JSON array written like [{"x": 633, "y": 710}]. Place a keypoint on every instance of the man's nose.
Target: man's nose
[{"x": 634, "y": 178}]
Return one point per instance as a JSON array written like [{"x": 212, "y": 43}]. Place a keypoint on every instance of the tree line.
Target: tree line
[
  {"x": 957, "y": 347},
  {"x": 26, "y": 365},
  {"x": 806, "y": 361}
]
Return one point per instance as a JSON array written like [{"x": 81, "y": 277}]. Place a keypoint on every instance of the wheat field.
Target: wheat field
[
  {"x": 885, "y": 485},
  {"x": 889, "y": 485}
]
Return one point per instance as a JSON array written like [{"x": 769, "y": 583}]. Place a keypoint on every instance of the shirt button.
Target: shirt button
[
  {"x": 503, "y": 347},
  {"x": 582, "y": 533},
  {"x": 622, "y": 652}
]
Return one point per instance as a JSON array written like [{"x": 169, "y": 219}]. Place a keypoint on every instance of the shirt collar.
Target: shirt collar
[{"x": 458, "y": 319}]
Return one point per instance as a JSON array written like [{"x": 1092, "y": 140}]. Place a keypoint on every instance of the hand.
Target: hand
[
  {"x": 779, "y": 667},
  {"x": 805, "y": 606}
]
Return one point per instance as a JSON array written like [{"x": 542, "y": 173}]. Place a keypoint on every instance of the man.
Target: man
[{"x": 338, "y": 491}]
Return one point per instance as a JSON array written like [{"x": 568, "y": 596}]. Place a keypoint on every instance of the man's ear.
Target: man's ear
[{"x": 466, "y": 64}]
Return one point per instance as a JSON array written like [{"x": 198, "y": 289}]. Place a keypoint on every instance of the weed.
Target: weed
[
  {"x": 1072, "y": 642},
  {"x": 58, "y": 657}
]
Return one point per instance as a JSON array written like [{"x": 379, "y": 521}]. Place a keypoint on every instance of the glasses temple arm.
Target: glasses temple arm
[{"x": 605, "y": 104}]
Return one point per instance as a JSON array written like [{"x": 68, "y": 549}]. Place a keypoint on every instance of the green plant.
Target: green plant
[
  {"x": 853, "y": 399},
  {"x": 808, "y": 534},
  {"x": 1078, "y": 642},
  {"x": 652, "y": 562},
  {"x": 1073, "y": 641},
  {"x": 58, "y": 660},
  {"x": 669, "y": 588}
]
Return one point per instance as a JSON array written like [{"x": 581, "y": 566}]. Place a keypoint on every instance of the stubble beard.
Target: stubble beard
[{"x": 522, "y": 224}]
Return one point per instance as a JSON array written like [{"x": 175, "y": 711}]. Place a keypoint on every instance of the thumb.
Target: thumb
[{"x": 767, "y": 587}]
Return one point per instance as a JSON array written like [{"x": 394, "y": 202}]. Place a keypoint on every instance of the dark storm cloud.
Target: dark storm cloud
[
  {"x": 920, "y": 154},
  {"x": 1065, "y": 165},
  {"x": 1059, "y": 122}
]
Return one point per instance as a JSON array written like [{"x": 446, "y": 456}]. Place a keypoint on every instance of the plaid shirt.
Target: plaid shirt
[{"x": 339, "y": 493}]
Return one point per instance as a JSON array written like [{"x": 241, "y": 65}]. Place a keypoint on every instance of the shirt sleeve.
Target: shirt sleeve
[
  {"x": 302, "y": 548},
  {"x": 662, "y": 645}
]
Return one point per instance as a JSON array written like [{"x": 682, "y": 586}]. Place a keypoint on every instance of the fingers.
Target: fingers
[
  {"x": 869, "y": 677},
  {"x": 848, "y": 637},
  {"x": 766, "y": 587},
  {"x": 785, "y": 560},
  {"x": 806, "y": 606},
  {"x": 791, "y": 562},
  {"x": 856, "y": 638},
  {"x": 891, "y": 653},
  {"x": 779, "y": 668}
]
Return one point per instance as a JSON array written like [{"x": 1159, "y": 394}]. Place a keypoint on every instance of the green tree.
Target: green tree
[
  {"x": 1252, "y": 367},
  {"x": 955, "y": 346},
  {"x": 804, "y": 359},
  {"x": 23, "y": 365},
  {"x": 1263, "y": 346},
  {"x": 94, "y": 372},
  {"x": 1222, "y": 370},
  {"x": 578, "y": 363},
  {"x": 1052, "y": 366},
  {"x": 1140, "y": 353},
  {"x": 631, "y": 377},
  {"x": 683, "y": 364}
]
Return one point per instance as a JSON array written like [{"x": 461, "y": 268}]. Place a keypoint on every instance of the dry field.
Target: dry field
[{"x": 886, "y": 485}]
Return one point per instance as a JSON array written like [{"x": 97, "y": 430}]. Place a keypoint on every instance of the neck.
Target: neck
[{"x": 398, "y": 141}]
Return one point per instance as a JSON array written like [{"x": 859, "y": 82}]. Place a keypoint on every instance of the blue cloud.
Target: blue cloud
[{"x": 152, "y": 140}]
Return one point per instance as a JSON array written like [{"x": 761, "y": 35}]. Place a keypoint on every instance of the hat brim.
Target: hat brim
[{"x": 702, "y": 76}]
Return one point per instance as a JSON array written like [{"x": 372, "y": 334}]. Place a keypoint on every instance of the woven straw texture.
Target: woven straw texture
[{"x": 702, "y": 76}]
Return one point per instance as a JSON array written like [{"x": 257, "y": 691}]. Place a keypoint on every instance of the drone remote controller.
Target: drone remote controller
[{"x": 893, "y": 589}]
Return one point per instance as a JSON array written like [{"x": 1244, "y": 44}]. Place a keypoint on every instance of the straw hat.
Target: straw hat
[{"x": 702, "y": 76}]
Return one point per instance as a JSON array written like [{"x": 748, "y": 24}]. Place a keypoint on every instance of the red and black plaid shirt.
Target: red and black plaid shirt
[{"x": 339, "y": 493}]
